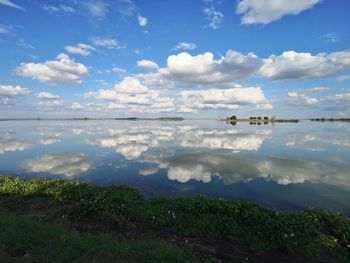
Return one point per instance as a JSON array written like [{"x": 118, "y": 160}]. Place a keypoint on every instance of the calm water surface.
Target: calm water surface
[{"x": 284, "y": 166}]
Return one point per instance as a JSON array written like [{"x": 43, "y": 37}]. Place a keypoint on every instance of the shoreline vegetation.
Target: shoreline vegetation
[
  {"x": 258, "y": 120},
  {"x": 93, "y": 119},
  {"x": 331, "y": 119},
  {"x": 169, "y": 230}
]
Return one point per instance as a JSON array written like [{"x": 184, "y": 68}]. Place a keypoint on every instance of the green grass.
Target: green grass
[
  {"x": 25, "y": 240},
  {"x": 311, "y": 233}
]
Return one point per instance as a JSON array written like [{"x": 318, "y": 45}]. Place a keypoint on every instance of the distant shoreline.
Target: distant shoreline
[{"x": 93, "y": 119}]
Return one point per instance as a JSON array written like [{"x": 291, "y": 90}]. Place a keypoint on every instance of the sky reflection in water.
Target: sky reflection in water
[{"x": 285, "y": 166}]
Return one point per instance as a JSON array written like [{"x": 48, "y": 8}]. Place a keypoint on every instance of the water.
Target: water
[{"x": 286, "y": 166}]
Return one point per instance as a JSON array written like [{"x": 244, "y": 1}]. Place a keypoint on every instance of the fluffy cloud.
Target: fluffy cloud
[
  {"x": 223, "y": 98},
  {"x": 109, "y": 43},
  {"x": 11, "y": 4},
  {"x": 267, "y": 11},
  {"x": 142, "y": 20},
  {"x": 203, "y": 68},
  {"x": 147, "y": 64},
  {"x": 204, "y": 166},
  {"x": 47, "y": 96},
  {"x": 132, "y": 95},
  {"x": 301, "y": 98},
  {"x": 13, "y": 91},
  {"x": 228, "y": 140},
  {"x": 293, "y": 65},
  {"x": 293, "y": 170},
  {"x": 9, "y": 144},
  {"x": 214, "y": 17},
  {"x": 80, "y": 49},
  {"x": 185, "y": 46},
  {"x": 68, "y": 164},
  {"x": 76, "y": 106},
  {"x": 64, "y": 70}
]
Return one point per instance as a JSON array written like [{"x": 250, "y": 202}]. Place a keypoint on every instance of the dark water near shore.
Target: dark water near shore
[{"x": 286, "y": 166}]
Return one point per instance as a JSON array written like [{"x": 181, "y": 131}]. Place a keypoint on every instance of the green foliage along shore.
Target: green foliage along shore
[
  {"x": 22, "y": 239},
  {"x": 311, "y": 232}
]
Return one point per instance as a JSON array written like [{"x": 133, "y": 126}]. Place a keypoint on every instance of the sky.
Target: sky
[{"x": 190, "y": 58}]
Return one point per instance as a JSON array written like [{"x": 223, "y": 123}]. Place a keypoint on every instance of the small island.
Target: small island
[{"x": 258, "y": 120}]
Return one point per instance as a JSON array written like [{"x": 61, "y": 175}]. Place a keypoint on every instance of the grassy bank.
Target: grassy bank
[
  {"x": 24, "y": 240},
  {"x": 313, "y": 234}
]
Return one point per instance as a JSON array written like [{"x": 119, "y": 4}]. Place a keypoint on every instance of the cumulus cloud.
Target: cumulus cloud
[
  {"x": 10, "y": 144},
  {"x": 63, "y": 70},
  {"x": 132, "y": 95},
  {"x": 13, "y": 91},
  {"x": 203, "y": 68},
  {"x": 267, "y": 11},
  {"x": 294, "y": 65},
  {"x": 185, "y": 46},
  {"x": 204, "y": 166},
  {"x": 214, "y": 17},
  {"x": 11, "y": 4},
  {"x": 285, "y": 171},
  {"x": 301, "y": 98},
  {"x": 142, "y": 20},
  {"x": 68, "y": 164},
  {"x": 80, "y": 49},
  {"x": 76, "y": 106},
  {"x": 131, "y": 143},
  {"x": 228, "y": 140},
  {"x": 231, "y": 98},
  {"x": 47, "y": 96},
  {"x": 147, "y": 64}
]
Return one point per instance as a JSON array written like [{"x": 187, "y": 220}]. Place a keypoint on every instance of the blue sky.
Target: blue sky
[{"x": 181, "y": 58}]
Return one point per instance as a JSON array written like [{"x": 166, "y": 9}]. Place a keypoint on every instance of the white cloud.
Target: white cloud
[
  {"x": 109, "y": 43},
  {"x": 301, "y": 98},
  {"x": 68, "y": 164},
  {"x": 64, "y": 70},
  {"x": 293, "y": 65},
  {"x": 76, "y": 106},
  {"x": 9, "y": 144},
  {"x": 47, "y": 96},
  {"x": 60, "y": 8},
  {"x": 148, "y": 171},
  {"x": 11, "y": 4},
  {"x": 185, "y": 46},
  {"x": 80, "y": 49},
  {"x": 118, "y": 70},
  {"x": 13, "y": 91},
  {"x": 97, "y": 9},
  {"x": 293, "y": 170},
  {"x": 203, "y": 68},
  {"x": 147, "y": 64},
  {"x": 267, "y": 11},
  {"x": 132, "y": 95},
  {"x": 3, "y": 30},
  {"x": 231, "y": 98},
  {"x": 214, "y": 17},
  {"x": 126, "y": 8},
  {"x": 142, "y": 20}
]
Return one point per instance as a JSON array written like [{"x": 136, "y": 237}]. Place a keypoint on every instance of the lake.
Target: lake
[{"x": 288, "y": 166}]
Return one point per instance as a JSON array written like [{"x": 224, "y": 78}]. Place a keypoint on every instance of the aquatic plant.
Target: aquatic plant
[{"x": 310, "y": 232}]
